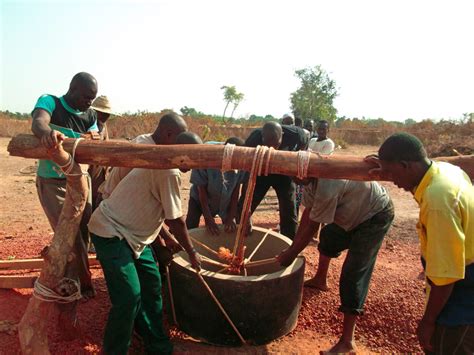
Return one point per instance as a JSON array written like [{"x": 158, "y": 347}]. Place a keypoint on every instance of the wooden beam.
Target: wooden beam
[
  {"x": 7, "y": 281},
  {"x": 33, "y": 327},
  {"x": 21, "y": 264},
  {"x": 120, "y": 153}
]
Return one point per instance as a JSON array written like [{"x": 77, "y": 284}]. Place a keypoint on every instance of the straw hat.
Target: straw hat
[{"x": 102, "y": 104}]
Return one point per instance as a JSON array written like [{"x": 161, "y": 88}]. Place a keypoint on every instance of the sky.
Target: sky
[{"x": 390, "y": 59}]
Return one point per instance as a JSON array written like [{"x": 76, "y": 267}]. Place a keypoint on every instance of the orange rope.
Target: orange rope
[{"x": 261, "y": 153}]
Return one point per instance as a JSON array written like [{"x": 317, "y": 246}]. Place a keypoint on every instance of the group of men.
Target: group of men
[{"x": 131, "y": 206}]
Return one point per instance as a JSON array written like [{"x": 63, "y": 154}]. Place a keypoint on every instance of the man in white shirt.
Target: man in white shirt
[
  {"x": 123, "y": 227},
  {"x": 322, "y": 144}
]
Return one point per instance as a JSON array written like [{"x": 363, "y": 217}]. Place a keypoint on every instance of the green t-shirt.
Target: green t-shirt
[
  {"x": 66, "y": 120},
  {"x": 48, "y": 168}
]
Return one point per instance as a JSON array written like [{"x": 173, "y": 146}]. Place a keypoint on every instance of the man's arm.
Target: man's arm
[
  {"x": 167, "y": 240},
  {"x": 206, "y": 211},
  {"x": 303, "y": 140},
  {"x": 179, "y": 230},
  {"x": 305, "y": 233},
  {"x": 40, "y": 127},
  {"x": 439, "y": 295},
  {"x": 229, "y": 223}
]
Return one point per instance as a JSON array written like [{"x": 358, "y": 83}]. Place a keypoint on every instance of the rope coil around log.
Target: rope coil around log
[
  {"x": 303, "y": 164},
  {"x": 260, "y": 153},
  {"x": 46, "y": 294},
  {"x": 67, "y": 168},
  {"x": 227, "y": 157}
]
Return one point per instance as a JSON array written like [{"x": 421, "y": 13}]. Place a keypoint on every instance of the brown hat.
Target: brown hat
[{"x": 102, "y": 104}]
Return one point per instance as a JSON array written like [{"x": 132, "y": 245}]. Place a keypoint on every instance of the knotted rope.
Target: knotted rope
[
  {"x": 261, "y": 153},
  {"x": 302, "y": 164},
  {"x": 67, "y": 168},
  {"x": 46, "y": 294},
  {"x": 227, "y": 157}
]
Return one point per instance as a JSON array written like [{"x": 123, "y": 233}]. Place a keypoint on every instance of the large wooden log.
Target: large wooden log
[
  {"x": 32, "y": 329},
  {"x": 120, "y": 153}
]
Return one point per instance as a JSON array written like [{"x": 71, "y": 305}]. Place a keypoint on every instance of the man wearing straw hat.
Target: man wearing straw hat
[{"x": 98, "y": 173}]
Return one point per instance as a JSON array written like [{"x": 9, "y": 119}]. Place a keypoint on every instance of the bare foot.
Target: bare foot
[
  {"x": 316, "y": 283},
  {"x": 342, "y": 347}
]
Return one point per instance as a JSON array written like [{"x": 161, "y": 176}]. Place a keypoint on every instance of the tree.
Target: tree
[
  {"x": 238, "y": 97},
  {"x": 231, "y": 96},
  {"x": 314, "y": 98}
]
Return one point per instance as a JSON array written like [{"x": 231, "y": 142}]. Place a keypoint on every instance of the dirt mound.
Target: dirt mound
[{"x": 451, "y": 150}]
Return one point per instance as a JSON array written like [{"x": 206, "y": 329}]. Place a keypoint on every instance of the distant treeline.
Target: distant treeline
[{"x": 439, "y": 136}]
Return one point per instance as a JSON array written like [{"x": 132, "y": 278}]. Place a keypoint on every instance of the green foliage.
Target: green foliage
[
  {"x": 314, "y": 98},
  {"x": 190, "y": 111},
  {"x": 255, "y": 118},
  {"x": 231, "y": 96}
]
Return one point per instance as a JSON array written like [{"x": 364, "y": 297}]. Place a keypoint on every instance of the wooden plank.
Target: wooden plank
[
  {"x": 17, "y": 281},
  {"x": 20, "y": 264}
]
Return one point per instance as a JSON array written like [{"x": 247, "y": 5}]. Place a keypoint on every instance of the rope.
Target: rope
[
  {"x": 303, "y": 164},
  {"x": 28, "y": 170},
  {"x": 227, "y": 157},
  {"x": 256, "y": 170},
  {"x": 69, "y": 166},
  {"x": 258, "y": 246},
  {"x": 170, "y": 290},
  {"x": 267, "y": 165},
  {"x": 220, "y": 307},
  {"x": 44, "y": 293}
]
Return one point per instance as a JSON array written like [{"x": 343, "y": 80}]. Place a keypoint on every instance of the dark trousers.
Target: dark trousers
[
  {"x": 363, "y": 244},
  {"x": 285, "y": 190},
  {"x": 453, "y": 340},
  {"x": 194, "y": 213},
  {"x": 134, "y": 287}
]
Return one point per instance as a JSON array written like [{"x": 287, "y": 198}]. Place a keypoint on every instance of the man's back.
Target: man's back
[
  {"x": 118, "y": 173},
  {"x": 344, "y": 202},
  {"x": 138, "y": 206},
  {"x": 293, "y": 139}
]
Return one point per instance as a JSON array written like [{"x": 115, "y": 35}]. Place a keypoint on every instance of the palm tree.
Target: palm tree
[
  {"x": 238, "y": 97},
  {"x": 229, "y": 94}
]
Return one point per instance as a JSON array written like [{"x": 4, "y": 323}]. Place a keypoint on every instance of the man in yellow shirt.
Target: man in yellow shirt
[{"x": 445, "y": 195}]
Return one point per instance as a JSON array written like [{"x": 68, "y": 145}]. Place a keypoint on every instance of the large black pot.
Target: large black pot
[{"x": 263, "y": 305}]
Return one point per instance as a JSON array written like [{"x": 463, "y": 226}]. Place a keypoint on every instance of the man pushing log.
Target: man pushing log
[{"x": 123, "y": 227}]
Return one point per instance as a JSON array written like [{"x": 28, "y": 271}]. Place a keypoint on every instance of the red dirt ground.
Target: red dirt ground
[{"x": 393, "y": 307}]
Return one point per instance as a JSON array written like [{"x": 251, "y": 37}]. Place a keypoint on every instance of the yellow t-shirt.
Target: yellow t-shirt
[{"x": 446, "y": 222}]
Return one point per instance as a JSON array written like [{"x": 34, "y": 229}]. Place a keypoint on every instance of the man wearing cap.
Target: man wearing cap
[
  {"x": 288, "y": 119},
  {"x": 445, "y": 227},
  {"x": 97, "y": 172},
  {"x": 55, "y": 118},
  {"x": 281, "y": 137}
]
